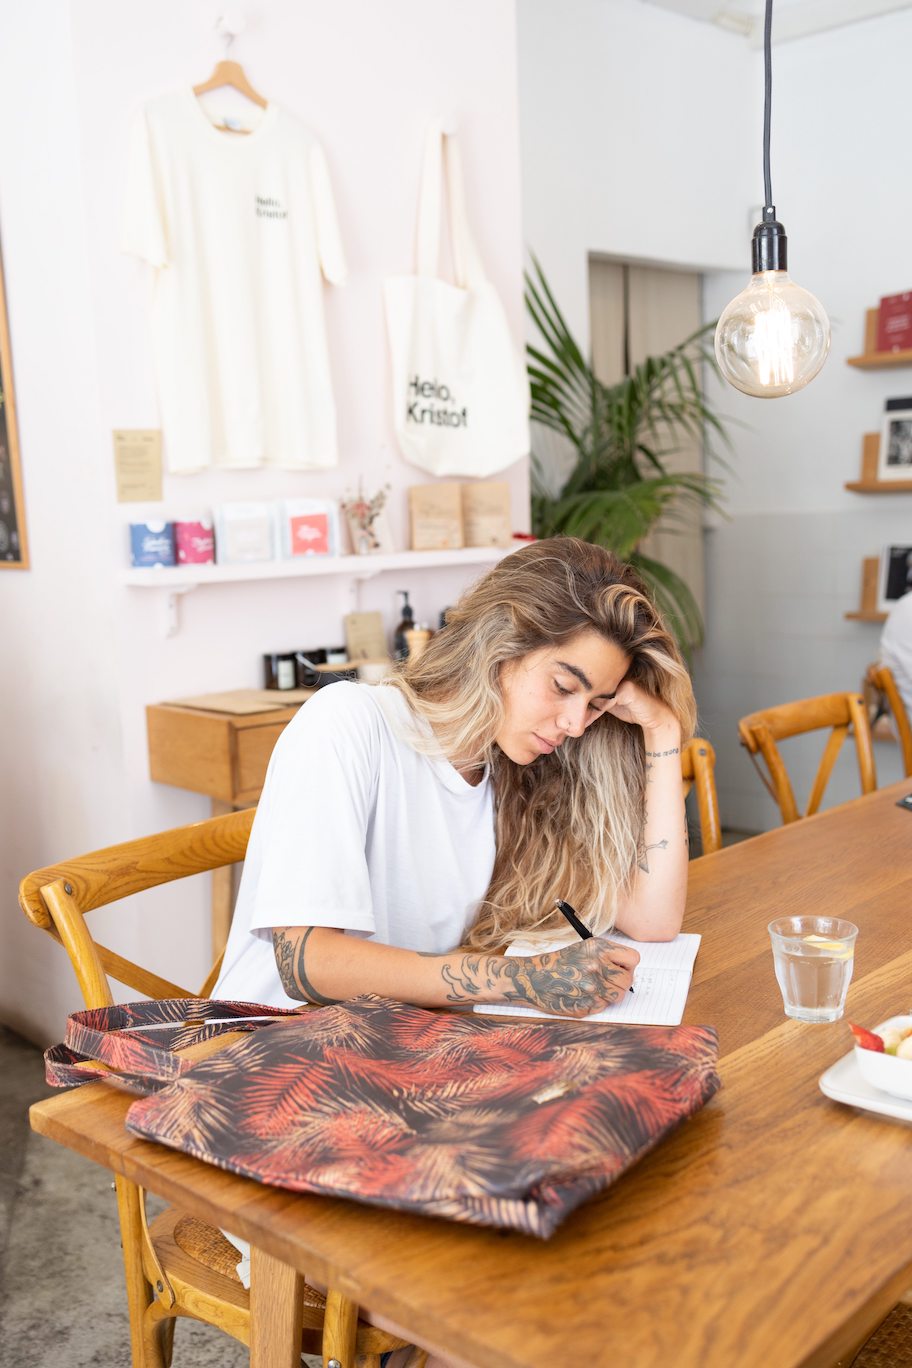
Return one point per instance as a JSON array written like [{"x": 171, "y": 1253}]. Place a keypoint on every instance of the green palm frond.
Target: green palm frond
[{"x": 618, "y": 486}]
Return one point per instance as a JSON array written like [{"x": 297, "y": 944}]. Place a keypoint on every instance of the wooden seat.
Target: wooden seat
[
  {"x": 174, "y": 1265},
  {"x": 883, "y": 697},
  {"x": 698, "y": 771},
  {"x": 844, "y": 713}
]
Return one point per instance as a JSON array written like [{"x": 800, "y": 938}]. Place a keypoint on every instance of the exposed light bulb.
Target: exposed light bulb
[{"x": 773, "y": 338}]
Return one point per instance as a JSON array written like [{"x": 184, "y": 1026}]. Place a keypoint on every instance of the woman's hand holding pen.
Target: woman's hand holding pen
[{"x": 574, "y": 981}]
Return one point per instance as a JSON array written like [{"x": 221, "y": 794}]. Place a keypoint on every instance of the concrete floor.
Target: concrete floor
[{"x": 62, "y": 1302}]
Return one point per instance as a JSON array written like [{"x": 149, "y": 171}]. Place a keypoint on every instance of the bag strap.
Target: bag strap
[
  {"x": 443, "y": 165},
  {"x": 137, "y": 1042}
]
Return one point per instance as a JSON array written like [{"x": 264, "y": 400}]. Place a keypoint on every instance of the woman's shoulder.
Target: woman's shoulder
[{"x": 356, "y": 708}]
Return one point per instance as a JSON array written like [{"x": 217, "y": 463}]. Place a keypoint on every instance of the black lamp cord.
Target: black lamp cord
[{"x": 769, "y": 211}]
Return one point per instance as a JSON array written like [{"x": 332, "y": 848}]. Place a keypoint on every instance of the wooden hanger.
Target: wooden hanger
[{"x": 230, "y": 74}]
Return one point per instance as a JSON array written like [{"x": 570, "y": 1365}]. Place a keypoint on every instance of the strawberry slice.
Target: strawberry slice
[{"x": 868, "y": 1040}]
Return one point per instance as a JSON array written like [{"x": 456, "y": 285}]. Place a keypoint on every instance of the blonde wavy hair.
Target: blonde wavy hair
[{"x": 570, "y": 824}]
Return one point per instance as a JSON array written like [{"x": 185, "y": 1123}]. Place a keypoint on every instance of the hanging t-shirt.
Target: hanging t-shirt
[
  {"x": 238, "y": 228},
  {"x": 357, "y": 829}
]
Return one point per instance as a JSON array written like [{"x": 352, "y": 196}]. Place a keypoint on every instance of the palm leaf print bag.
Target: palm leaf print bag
[{"x": 477, "y": 1120}]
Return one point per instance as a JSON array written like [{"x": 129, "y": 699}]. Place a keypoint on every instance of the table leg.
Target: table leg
[
  {"x": 276, "y": 1312},
  {"x": 222, "y": 893}
]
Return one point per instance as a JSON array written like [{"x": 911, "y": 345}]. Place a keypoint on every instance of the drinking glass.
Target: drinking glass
[{"x": 813, "y": 959}]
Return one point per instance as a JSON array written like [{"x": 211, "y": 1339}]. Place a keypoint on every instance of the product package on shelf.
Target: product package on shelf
[
  {"x": 435, "y": 516},
  {"x": 245, "y": 532},
  {"x": 152, "y": 543},
  {"x": 486, "y": 513},
  {"x": 194, "y": 540},
  {"x": 894, "y": 322},
  {"x": 309, "y": 527}
]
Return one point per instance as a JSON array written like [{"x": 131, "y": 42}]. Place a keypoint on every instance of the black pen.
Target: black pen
[{"x": 580, "y": 927}]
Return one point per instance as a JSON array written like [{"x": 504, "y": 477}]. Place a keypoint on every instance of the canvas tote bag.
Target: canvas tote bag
[
  {"x": 460, "y": 389},
  {"x": 487, "y": 1122}
]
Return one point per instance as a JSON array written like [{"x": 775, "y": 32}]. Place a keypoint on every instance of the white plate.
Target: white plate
[{"x": 843, "y": 1083}]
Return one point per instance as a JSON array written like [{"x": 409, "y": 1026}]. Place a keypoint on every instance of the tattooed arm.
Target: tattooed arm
[
  {"x": 654, "y": 908},
  {"x": 321, "y": 965}
]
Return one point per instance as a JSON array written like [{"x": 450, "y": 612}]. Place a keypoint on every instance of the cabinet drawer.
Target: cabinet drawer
[{"x": 254, "y": 747}]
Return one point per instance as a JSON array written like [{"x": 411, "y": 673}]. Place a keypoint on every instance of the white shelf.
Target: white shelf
[{"x": 182, "y": 579}]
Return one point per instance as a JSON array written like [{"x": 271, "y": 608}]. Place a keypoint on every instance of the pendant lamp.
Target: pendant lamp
[{"x": 773, "y": 338}]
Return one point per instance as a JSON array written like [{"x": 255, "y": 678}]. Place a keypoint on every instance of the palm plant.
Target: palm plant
[{"x": 616, "y": 439}]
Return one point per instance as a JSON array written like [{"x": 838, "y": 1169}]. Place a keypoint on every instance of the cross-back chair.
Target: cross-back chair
[
  {"x": 174, "y": 1264},
  {"x": 698, "y": 772},
  {"x": 844, "y": 713},
  {"x": 883, "y": 697}
]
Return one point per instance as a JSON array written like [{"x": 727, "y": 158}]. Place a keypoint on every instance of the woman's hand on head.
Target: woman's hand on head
[{"x": 633, "y": 704}]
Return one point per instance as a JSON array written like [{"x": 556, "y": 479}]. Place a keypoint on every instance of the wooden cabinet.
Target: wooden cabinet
[{"x": 222, "y": 755}]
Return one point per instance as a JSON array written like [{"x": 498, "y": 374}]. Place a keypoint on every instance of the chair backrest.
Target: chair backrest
[
  {"x": 698, "y": 771},
  {"x": 57, "y": 898},
  {"x": 842, "y": 712},
  {"x": 880, "y": 681}
]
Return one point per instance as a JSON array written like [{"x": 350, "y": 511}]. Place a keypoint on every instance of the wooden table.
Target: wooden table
[{"x": 774, "y": 1229}]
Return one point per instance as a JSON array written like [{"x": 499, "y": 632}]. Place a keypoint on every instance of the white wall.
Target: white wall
[
  {"x": 787, "y": 567},
  {"x": 84, "y": 654},
  {"x": 634, "y": 124},
  {"x": 641, "y": 139}
]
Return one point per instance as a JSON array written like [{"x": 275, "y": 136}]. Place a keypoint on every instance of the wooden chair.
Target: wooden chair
[
  {"x": 698, "y": 771},
  {"x": 883, "y": 697},
  {"x": 174, "y": 1264},
  {"x": 845, "y": 713}
]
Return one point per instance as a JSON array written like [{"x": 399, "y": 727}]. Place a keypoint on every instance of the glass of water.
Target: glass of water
[{"x": 813, "y": 958}]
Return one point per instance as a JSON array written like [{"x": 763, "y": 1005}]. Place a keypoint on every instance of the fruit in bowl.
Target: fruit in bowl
[{"x": 884, "y": 1055}]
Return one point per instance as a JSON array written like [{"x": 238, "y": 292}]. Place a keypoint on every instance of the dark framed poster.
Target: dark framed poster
[{"x": 13, "y": 540}]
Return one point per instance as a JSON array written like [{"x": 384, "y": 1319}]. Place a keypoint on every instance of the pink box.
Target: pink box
[{"x": 194, "y": 543}]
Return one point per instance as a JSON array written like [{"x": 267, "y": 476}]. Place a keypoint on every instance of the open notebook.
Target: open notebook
[{"x": 661, "y": 981}]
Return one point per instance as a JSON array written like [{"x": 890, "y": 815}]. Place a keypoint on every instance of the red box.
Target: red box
[
  {"x": 894, "y": 322},
  {"x": 194, "y": 543}
]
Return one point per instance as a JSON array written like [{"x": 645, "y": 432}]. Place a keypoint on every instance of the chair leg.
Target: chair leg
[
  {"x": 340, "y": 1329},
  {"x": 158, "y": 1336},
  {"x": 139, "y": 1294}
]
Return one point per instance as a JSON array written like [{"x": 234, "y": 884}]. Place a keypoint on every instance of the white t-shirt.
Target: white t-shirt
[
  {"x": 896, "y": 647},
  {"x": 237, "y": 227},
  {"x": 358, "y": 830}
]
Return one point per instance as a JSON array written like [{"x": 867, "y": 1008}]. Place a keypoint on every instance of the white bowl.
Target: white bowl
[{"x": 884, "y": 1071}]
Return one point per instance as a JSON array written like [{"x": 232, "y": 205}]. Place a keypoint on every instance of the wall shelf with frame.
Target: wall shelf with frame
[
  {"x": 871, "y": 359},
  {"x": 869, "y": 483},
  {"x": 868, "y": 611},
  {"x": 177, "y": 580}
]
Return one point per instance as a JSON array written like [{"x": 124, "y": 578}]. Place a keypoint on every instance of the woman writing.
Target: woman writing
[{"x": 407, "y": 831}]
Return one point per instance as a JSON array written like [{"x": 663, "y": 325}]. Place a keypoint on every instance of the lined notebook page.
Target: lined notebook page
[{"x": 661, "y": 982}]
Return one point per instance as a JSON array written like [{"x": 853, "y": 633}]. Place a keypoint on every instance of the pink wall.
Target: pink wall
[{"x": 84, "y": 654}]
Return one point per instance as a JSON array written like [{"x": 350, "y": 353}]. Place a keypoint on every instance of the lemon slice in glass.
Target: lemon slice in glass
[{"x": 830, "y": 947}]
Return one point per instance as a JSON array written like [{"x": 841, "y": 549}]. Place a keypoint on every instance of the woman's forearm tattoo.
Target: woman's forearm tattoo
[
  {"x": 290, "y": 958},
  {"x": 573, "y": 984},
  {"x": 660, "y": 755}
]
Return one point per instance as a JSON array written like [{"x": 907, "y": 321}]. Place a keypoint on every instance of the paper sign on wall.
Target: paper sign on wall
[{"x": 138, "y": 465}]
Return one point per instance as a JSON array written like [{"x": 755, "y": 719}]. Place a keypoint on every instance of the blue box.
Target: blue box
[{"x": 152, "y": 543}]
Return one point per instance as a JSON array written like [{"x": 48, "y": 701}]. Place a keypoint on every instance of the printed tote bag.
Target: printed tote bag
[
  {"x": 460, "y": 389},
  {"x": 475, "y": 1119}
]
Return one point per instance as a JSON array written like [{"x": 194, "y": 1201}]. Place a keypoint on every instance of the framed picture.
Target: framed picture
[
  {"x": 13, "y": 541},
  {"x": 896, "y": 443},
  {"x": 895, "y": 575}
]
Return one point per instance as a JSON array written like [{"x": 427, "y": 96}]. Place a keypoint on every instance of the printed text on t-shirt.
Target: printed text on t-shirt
[{"x": 269, "y": 207}]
